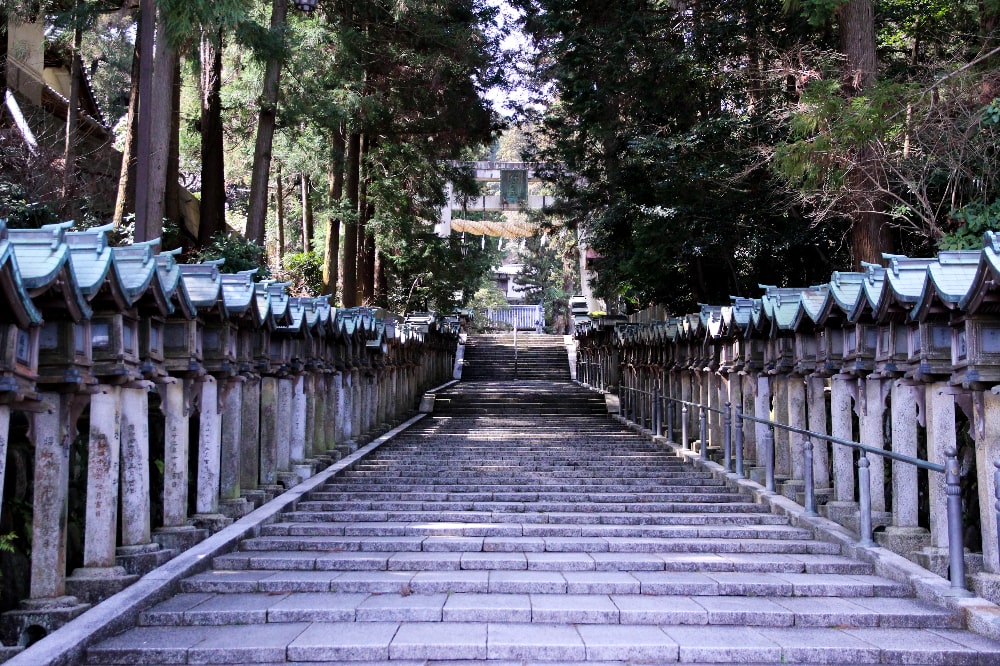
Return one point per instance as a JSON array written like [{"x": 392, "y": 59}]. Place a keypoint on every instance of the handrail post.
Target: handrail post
[
  {"x": 657, "y": 419},
  {"x": 669, "y": 407},
  {"x": 956, "y": 546},
  {"x": 996, "y": 494},
  {"x": 727, "y": 435},
  {"x": 810, "y": 506},
  {"x": 684, "y": 426},
  {"x": 703, "y": 431},
  {"x": 642, "y": 402},
  {"x": 865, "y": 500},
  {"x": 769, "y": 456},
  {"x": 515, "y": 351},
  {"x": 739, "y": 443}
]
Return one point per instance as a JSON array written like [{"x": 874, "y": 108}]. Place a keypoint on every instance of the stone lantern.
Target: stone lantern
[
  {"x": 928, "y": 346},
  {"x": 782, "y": 307},
  {"x": 807, "y": 333},
  {"x": 19, "y": 328},
  {"x": 65, "y": 359},
  {"x": 754, "y": 337},
  {"x": 949, "y": 282}
]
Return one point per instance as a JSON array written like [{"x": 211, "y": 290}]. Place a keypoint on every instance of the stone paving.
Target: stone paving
[{"x": 546, "y": 533}]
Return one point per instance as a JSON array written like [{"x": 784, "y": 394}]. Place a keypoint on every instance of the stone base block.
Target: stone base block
[
  {"x": 823, "y": 496},
  {"x": 903, "y": 540},
  {"x": 840, "y": 512},
  {"x": 288, "y": 479},
  {"x": 179, "y": 539},
  {"x": 95, "y": 584},
  {"x": 793, "y": 490},
  {"x": 256, "y": 497},
  {"x": 9, "y": 652},
  {"x": 272, "y": 490},
  {"x": 933, "y": 559},
  {"x": 757, "y": 474},
  {"x": 879, "y": 519},
  {"x": 211, "y": 522},
  {"x": 303, "y": 470},
  {"x": 235, "y": 509},
  {"x": 987, "y": 586},
  {"x": 37, "y": 618},
  {"x": 140, "y": 560}
]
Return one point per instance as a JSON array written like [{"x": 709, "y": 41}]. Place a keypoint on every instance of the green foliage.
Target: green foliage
[
  {"x": 817, "y": 12},
  {"x": 239, "y": 253},
  {"x": 991, "y": 114},
  {"x": 304, "y": 270},
  {"x": 7, "y": 543},
  {"x": 973, "y": 219}
]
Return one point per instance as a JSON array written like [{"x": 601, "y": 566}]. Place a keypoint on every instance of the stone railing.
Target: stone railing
[
  {"x": 181, "y": 396},
  {"x": 903, "y": 358}
]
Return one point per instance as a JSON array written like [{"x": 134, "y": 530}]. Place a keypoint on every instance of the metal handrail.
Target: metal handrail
[
  {"x": 734, "y": 418},
  {"x": 515, "y": 353}
]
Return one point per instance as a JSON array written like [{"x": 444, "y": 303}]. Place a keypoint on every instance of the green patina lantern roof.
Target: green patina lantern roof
[
  {"x": 136, "y": 271},
  {"x": 91, "y": 257},
  {"x": 239, "y": 294},
  {"x": 203, "y": 284},
  {"x": 277, "y": 294},
  {"x": 987, "y": 277},
  {"x": 43, "y": 262},
  {"x": 948, "y": 281},
  {"x": 168, "y": 272},
  {"x": 20, "y": 309},
  {"x": 782, "y": 305},
  {"x": 871, "y": 291}
]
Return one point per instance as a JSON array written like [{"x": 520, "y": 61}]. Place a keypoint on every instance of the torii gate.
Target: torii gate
[{"x": 515, "y": 179}]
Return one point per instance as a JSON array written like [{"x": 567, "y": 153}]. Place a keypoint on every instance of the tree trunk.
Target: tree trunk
[
  {"x": 352, "y": 176},
  {"x": 260, "y": 173},
  {"x": 125, "y": 202},
  {"x": 370, "y": 255},
  {"x": 72, "y": 125},
  {"x": 161, "y": 116},
  {"x": 279, "y": 205},
  {"x": 171, "y": 183},
  {"x": 365, "y": 259},
  {"x": 381, "y": 280},
  {"x": 870, "y": 236},
  {"x": 307, "y": 215},
  {"x": 144, "y": 143},
  {"x": 331, "y": 254},
  {"x": 857, "y": 42},
  {"x": 212, "y": 212}
]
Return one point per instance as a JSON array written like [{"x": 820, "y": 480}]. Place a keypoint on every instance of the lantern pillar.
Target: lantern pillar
[{"x": 905, "y": 534}]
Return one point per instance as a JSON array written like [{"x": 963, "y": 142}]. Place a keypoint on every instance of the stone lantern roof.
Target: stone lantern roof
[
  {"x": 19, "y": 308},
  {"x": 947, "y": 282},
  {"x": 43, "y": 262}
]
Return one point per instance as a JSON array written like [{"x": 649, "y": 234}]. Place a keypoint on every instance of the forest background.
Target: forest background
[{"x": 699, "y": 147}]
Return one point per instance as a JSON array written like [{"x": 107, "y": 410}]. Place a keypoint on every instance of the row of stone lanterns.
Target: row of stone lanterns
[
  {"x": 261, "y": 387},
  {"x": 883, "y": 357}
]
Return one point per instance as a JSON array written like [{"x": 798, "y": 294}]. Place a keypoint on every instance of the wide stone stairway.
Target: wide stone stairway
[{"x": 520, "y": 523}]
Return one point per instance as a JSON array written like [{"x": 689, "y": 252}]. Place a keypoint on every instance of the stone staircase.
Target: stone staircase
[
  {"x": 519, "y": 523},
  {"x": 539, "y": 357}
]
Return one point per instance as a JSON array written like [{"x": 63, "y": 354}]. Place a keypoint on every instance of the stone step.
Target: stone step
[
  {"x": 432, "y": 579},
  {"x": 613, "y": 608},
  {"x": 526, "y": 544},
  {"x": 521, "y": 538},
  {"x": 414, "y": 643},
  {"x": 278, "y": 560},
  {"x": 544, "y": 530},
  {"x": 475, "y": 519},
  {"x": 625, "y": 512}
]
